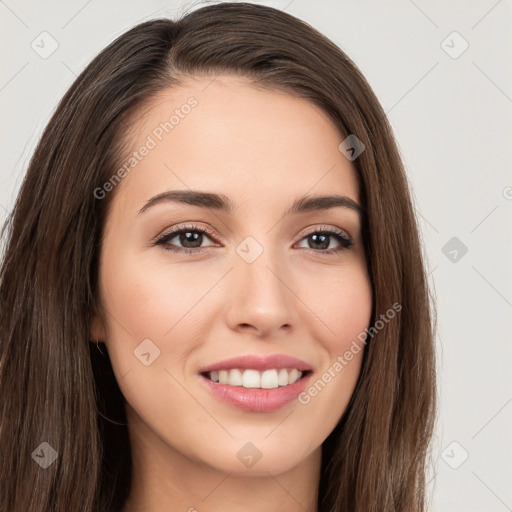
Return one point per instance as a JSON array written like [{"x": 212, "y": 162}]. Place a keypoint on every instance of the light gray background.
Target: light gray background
[{"x": 452, "y": 119}]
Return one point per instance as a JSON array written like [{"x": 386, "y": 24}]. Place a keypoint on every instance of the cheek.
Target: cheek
[
  {"x": 342, "y": 301},
  {"x": 154, "y": 318},
  {"x": 349, "y": 309},
  {"x": 344, "y": 308},
  {"x": 149, "y": 299},
  {"x": 158, "y": 309}
]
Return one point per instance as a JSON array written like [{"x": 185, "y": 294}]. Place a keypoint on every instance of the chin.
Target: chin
[{"x": 254, "y": 458}]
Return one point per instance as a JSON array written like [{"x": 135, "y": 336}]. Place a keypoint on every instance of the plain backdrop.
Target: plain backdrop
[{"x": 442, "y": 71}]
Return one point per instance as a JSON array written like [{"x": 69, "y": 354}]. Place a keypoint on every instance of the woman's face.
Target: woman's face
[{"x": 257, "y": 281}]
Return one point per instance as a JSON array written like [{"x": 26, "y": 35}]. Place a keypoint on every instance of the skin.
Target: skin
[{"x": 198, "y": 309}]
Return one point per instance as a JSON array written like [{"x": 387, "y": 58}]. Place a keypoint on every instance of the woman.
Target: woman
[{"x": 213, "y": 293}]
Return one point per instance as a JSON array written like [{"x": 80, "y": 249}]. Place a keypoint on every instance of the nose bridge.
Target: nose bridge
[{"x": 260, "y": 293}]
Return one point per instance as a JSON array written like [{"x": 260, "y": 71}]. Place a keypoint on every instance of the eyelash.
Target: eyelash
[{"x": 344, "y": 241}]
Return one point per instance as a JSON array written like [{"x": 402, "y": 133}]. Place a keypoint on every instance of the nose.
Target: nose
[{"x": 261, "y": 299}]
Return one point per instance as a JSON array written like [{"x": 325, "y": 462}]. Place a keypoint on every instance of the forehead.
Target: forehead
[{"x": 223, "y": 134}]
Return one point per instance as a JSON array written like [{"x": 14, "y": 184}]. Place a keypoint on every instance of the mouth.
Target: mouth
[
  {"x": 255, "y": 379},
  {"x": 255, "y": 383}
]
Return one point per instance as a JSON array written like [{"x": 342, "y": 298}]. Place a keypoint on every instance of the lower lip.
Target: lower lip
[{"x": 255, "y": 399}]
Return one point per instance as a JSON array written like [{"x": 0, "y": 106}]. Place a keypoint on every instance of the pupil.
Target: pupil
[
  {"x": 191, "y": 237},
  {"x": 324, "y": 244},
  {"x": 190, "y": 240}
]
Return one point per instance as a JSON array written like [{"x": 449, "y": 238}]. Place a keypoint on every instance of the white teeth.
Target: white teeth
[
  {"x": 250, "y": 379},
  {"x": 235, "y": 378},
  {"x": 282, "y": 379},
  {"x": 268, "y": 379},
  {"x": 294, "y": 376}
]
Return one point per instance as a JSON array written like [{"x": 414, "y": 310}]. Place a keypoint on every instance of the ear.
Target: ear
[{"x": 97, "y": 332}]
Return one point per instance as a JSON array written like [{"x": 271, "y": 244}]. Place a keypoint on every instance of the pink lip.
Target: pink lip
[
  {"x": 258, "y": 363},
  {"x": 257, "y": 400}
]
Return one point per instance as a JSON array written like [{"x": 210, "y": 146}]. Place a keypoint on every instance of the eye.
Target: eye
[
  {"x": 190, "y": 236},
  {"x": 321, "y": 239}
]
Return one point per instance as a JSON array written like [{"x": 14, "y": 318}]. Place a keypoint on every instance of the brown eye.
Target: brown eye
[
  {"x": 190, "y": 238},
  {"x": 321, "y": 239}
]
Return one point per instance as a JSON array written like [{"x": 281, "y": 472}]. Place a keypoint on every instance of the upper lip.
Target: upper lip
[{"x": 256, "y": 362}]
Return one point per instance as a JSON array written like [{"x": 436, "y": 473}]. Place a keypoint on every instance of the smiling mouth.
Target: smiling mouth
[{"x": 254, "y": 379}]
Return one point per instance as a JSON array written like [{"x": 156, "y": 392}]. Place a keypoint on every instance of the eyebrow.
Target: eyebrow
[{"x": 221, "y": 202}]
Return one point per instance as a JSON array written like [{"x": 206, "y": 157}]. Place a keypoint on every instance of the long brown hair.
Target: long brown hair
[{"x": 56, "y": 389}]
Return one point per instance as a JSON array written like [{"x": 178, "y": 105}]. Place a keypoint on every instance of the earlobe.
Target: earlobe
[{"x": 97, "y": 332}]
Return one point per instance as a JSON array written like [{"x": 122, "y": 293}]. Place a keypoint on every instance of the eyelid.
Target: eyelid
[
  {"x": 327, "y": 227},
  {"x": 332, "y": 230},
  {"x": 210, "y": 233},
  {"x": 185, "y": 227}
]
